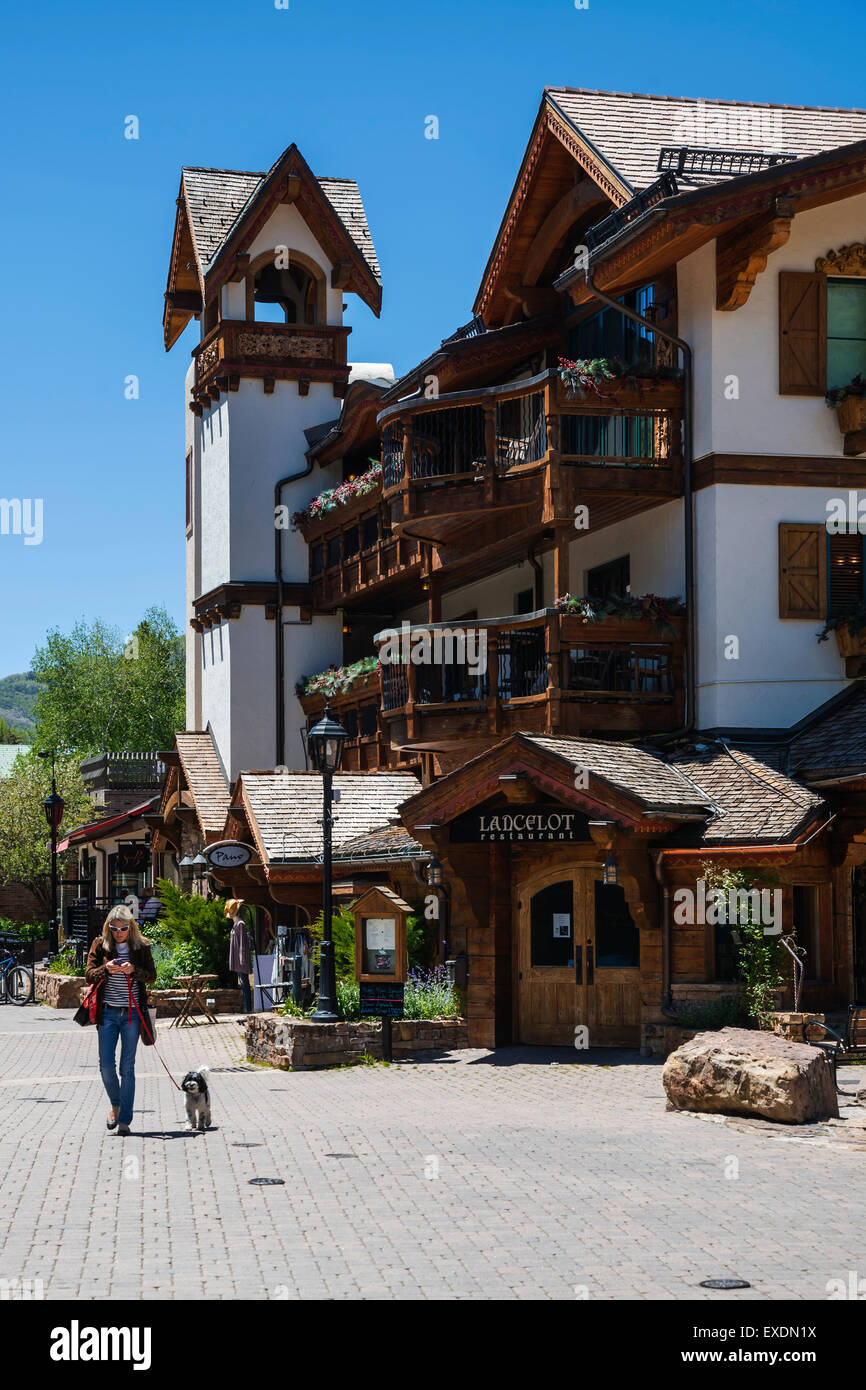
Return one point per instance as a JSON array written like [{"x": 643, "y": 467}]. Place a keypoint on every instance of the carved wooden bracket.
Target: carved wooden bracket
[
  {"x": 341, "y": 275},
  {"x": 741, "y": 254},
  {"x": 293, "y": 188}
]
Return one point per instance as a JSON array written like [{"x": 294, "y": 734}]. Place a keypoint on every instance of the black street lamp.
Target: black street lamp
[
  {"x": 326, "y": 741},
  {"x": 53, "y": 806}
]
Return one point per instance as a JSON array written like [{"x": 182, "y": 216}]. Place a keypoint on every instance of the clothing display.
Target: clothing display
[{"x": 240, "y": 948}]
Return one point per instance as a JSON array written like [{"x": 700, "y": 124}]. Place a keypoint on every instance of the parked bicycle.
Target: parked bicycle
[{"x": 16, "y": 981}]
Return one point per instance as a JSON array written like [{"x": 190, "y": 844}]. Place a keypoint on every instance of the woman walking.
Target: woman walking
[
  {"x": 240, "y": 954},
  {"x": 117, "y": 957}
]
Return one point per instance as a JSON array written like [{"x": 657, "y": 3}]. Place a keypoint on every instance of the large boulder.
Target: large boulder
[{"x": 737, "y": 1071}]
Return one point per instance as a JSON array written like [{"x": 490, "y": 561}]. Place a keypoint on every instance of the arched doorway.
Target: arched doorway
[{"x": 578, "y": 961}]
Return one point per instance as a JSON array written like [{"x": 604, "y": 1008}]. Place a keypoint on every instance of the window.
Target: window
[
  {"x": 611, "y": 578},
  {"x": 369, "y": 531},
  {"x": 846, "y": 331},
  {"x": 350, "y": 542},
  {"x": 617, "y": 940},
  {"x": 551, "y": 935},
  {"x": 845, "y": 574},
  {"x": 609, "y": 436},
  {"x": 610, "y": 334},
  {"x": 524, "y": 602},
  {"x": 189, "y": 491}
]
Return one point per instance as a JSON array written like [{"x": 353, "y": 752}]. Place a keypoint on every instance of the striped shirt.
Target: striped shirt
[{"x": 116, "y": 988}]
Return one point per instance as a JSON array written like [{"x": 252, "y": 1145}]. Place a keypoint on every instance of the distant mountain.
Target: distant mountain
[{"x": 17, "y": 698}]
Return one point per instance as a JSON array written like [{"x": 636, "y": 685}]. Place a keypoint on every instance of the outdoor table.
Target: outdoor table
[{"x": 194, "y": 986}]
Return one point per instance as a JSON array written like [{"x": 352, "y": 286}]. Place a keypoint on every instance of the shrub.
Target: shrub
[
  {"x": 64, "y": 963},
  {"x": 27, "y": 931},
  {"x": 714, "y": 1014},
  {"x": 187, "y": 919},
  {"x": 430, "y": 995},
  {"x": 349, "y": 999},
  {"x": 183, "y": 958}
]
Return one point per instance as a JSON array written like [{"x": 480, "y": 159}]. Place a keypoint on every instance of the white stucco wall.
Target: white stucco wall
[
  {"x": 745, "y": 343},
  {"x": 782, "y": 671},
  {"x": 192, "y": 640},
  {"x": 654, "y": 543},
  {"x": 287, "y": 228}
]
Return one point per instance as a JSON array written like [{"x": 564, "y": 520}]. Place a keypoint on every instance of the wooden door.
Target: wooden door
[
  {"x": 612, "y": 965},
  {"x": 549, "y": 992},
  {"x": 577, "y": 961}
]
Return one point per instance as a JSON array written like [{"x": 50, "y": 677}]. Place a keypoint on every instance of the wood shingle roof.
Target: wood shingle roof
[
  {"x": 286, "y": 808},
  {"x": 629, "y": 129},
  {"x": 205, "y": 778}
]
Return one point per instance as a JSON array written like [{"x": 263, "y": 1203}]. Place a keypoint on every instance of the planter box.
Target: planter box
[
  {"x": 647, "y": 395},
  {"x": 314, "y": 704},
  {"x": 851, "y": 415},
  {"x": 294, "y": 1044},
  {"x": 345, "y": 513}
]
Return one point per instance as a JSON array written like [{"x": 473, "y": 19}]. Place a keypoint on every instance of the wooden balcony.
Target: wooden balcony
[
  {"x": 355, "y": 558},
  {"x": 532, "y": 451},
  {"x": 270, "y": 352},
  {"x": 359, "y": 710},
  {"x": 550, "y": 673}
]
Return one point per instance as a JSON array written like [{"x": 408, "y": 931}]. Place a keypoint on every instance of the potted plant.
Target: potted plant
[
  {"x": 604, "y": 376},
  {"x": 649, "y": 608},
  {"x": 334, "y": 497},
  {"x": 849, "y": 402}
]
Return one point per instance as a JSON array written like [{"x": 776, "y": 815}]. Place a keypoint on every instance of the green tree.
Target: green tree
[
  {"x": 10, "y": 735},
  {"x": 194, "y": 921},
  {"x": 100, "y": 691},
  {"x": 25, "y": 842}
]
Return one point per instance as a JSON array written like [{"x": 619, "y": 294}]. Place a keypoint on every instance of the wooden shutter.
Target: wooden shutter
[
  {"x": 802, "y": 333},
  {"x": 802, "y": 570}
]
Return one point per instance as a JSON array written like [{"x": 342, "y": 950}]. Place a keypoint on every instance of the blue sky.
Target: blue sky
[{"x": 88, "y": 214}]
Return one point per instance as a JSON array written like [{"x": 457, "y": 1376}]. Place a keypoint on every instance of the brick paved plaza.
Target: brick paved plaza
[{"x": 521, "y": 1174}]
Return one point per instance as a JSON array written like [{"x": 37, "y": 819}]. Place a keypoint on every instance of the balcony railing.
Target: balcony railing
[
  {"x": 503, "y": 436},
  {"x": 236, "y": 348},
  {"x": 352, "y": 552}
]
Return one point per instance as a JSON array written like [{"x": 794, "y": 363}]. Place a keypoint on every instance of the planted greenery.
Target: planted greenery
[
  {"x": 334, "y": 497},
  {"x": 337, "y": 679},
  {"x": 593, "y": 374},
  {"x": 852, "y": 623},
  {"x": 760, "y": 958},
  {"x": 186, "y": 919},
  {"x": 644, "y": 607}
]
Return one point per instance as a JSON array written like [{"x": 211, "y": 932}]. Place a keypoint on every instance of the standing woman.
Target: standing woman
[
  {"x": 240, "y": 953},
  {"x": 120, "y": 954}
]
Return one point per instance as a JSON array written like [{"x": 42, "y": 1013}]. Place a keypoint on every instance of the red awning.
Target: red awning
[{"x": 100, "y": 828}]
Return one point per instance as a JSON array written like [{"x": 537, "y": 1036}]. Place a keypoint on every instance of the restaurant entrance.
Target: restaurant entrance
[{"x": 578, "y": 961}]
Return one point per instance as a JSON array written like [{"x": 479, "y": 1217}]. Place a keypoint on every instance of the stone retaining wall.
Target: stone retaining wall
[
  {"x": 790, "y": 1025},
  {"x": 294, "y": 1044},
  {"x": 660, "y": 1039},
  {"x": 65, "y": 991}
]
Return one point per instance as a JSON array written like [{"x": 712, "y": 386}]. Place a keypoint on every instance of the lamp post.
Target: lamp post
[
  {"x": 326, "y": 741},
  {"x": 53, "y": 806}
]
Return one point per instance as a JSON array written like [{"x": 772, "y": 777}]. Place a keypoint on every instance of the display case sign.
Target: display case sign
[
  {"x": 529, "y": 824},
  {"x": 380, "y": 935},
  {"x": 382, "y": 999}
]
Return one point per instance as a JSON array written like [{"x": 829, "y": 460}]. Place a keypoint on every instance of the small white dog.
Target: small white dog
[{"x": 195, "y": 1087}]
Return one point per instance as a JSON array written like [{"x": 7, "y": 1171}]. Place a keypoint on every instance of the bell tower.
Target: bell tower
[{"x": 262, "y": 261}]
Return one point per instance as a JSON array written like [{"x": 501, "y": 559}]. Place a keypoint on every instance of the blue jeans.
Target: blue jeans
[{"x": 115, "y": 1025}]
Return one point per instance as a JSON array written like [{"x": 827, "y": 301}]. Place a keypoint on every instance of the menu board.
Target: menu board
[{"x": 382, "y": 999}]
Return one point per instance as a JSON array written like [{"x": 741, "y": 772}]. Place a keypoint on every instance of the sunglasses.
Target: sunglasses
[{"x": 125, "y": 927}]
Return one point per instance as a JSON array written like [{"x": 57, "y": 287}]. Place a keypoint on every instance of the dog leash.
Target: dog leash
[{"x": 146, "y": 1027}]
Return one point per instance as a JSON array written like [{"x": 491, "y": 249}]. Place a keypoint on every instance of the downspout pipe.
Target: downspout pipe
[
  {"x": 279, "y": 640},
  {"x": 688, "y": 504}
]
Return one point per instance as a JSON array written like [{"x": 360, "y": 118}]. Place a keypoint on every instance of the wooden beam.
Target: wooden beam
[
  {"x": 184, "y": 301},
  {"x": 293, "y": 188},
  {"x": 741, "y": 254},
  {"x": 340, "y": 275},
  {"x": 241, "y": 266}
]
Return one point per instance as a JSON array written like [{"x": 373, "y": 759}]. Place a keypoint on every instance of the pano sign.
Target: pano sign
[
  {"x": 519, "y": 824},
  {"x": 228, "y": 854}
]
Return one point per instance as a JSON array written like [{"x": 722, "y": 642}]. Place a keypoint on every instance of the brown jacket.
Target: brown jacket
[{"x": 144, "y": 973}]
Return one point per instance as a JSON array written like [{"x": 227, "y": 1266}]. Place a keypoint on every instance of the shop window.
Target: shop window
[
  {"x": 610, "y": 579},
  {"x": 617, "y": 940},
  {"x": 846, "y": 331},
  {"x": 552, "y": 927},
  {"x": 807, "y": 928},
  {"x": 727, "y": 953}
]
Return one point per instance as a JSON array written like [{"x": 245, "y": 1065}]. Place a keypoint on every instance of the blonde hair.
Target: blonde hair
[
  {"x": 122, "y": 913},
  {"x": 232, "y": 906}
]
